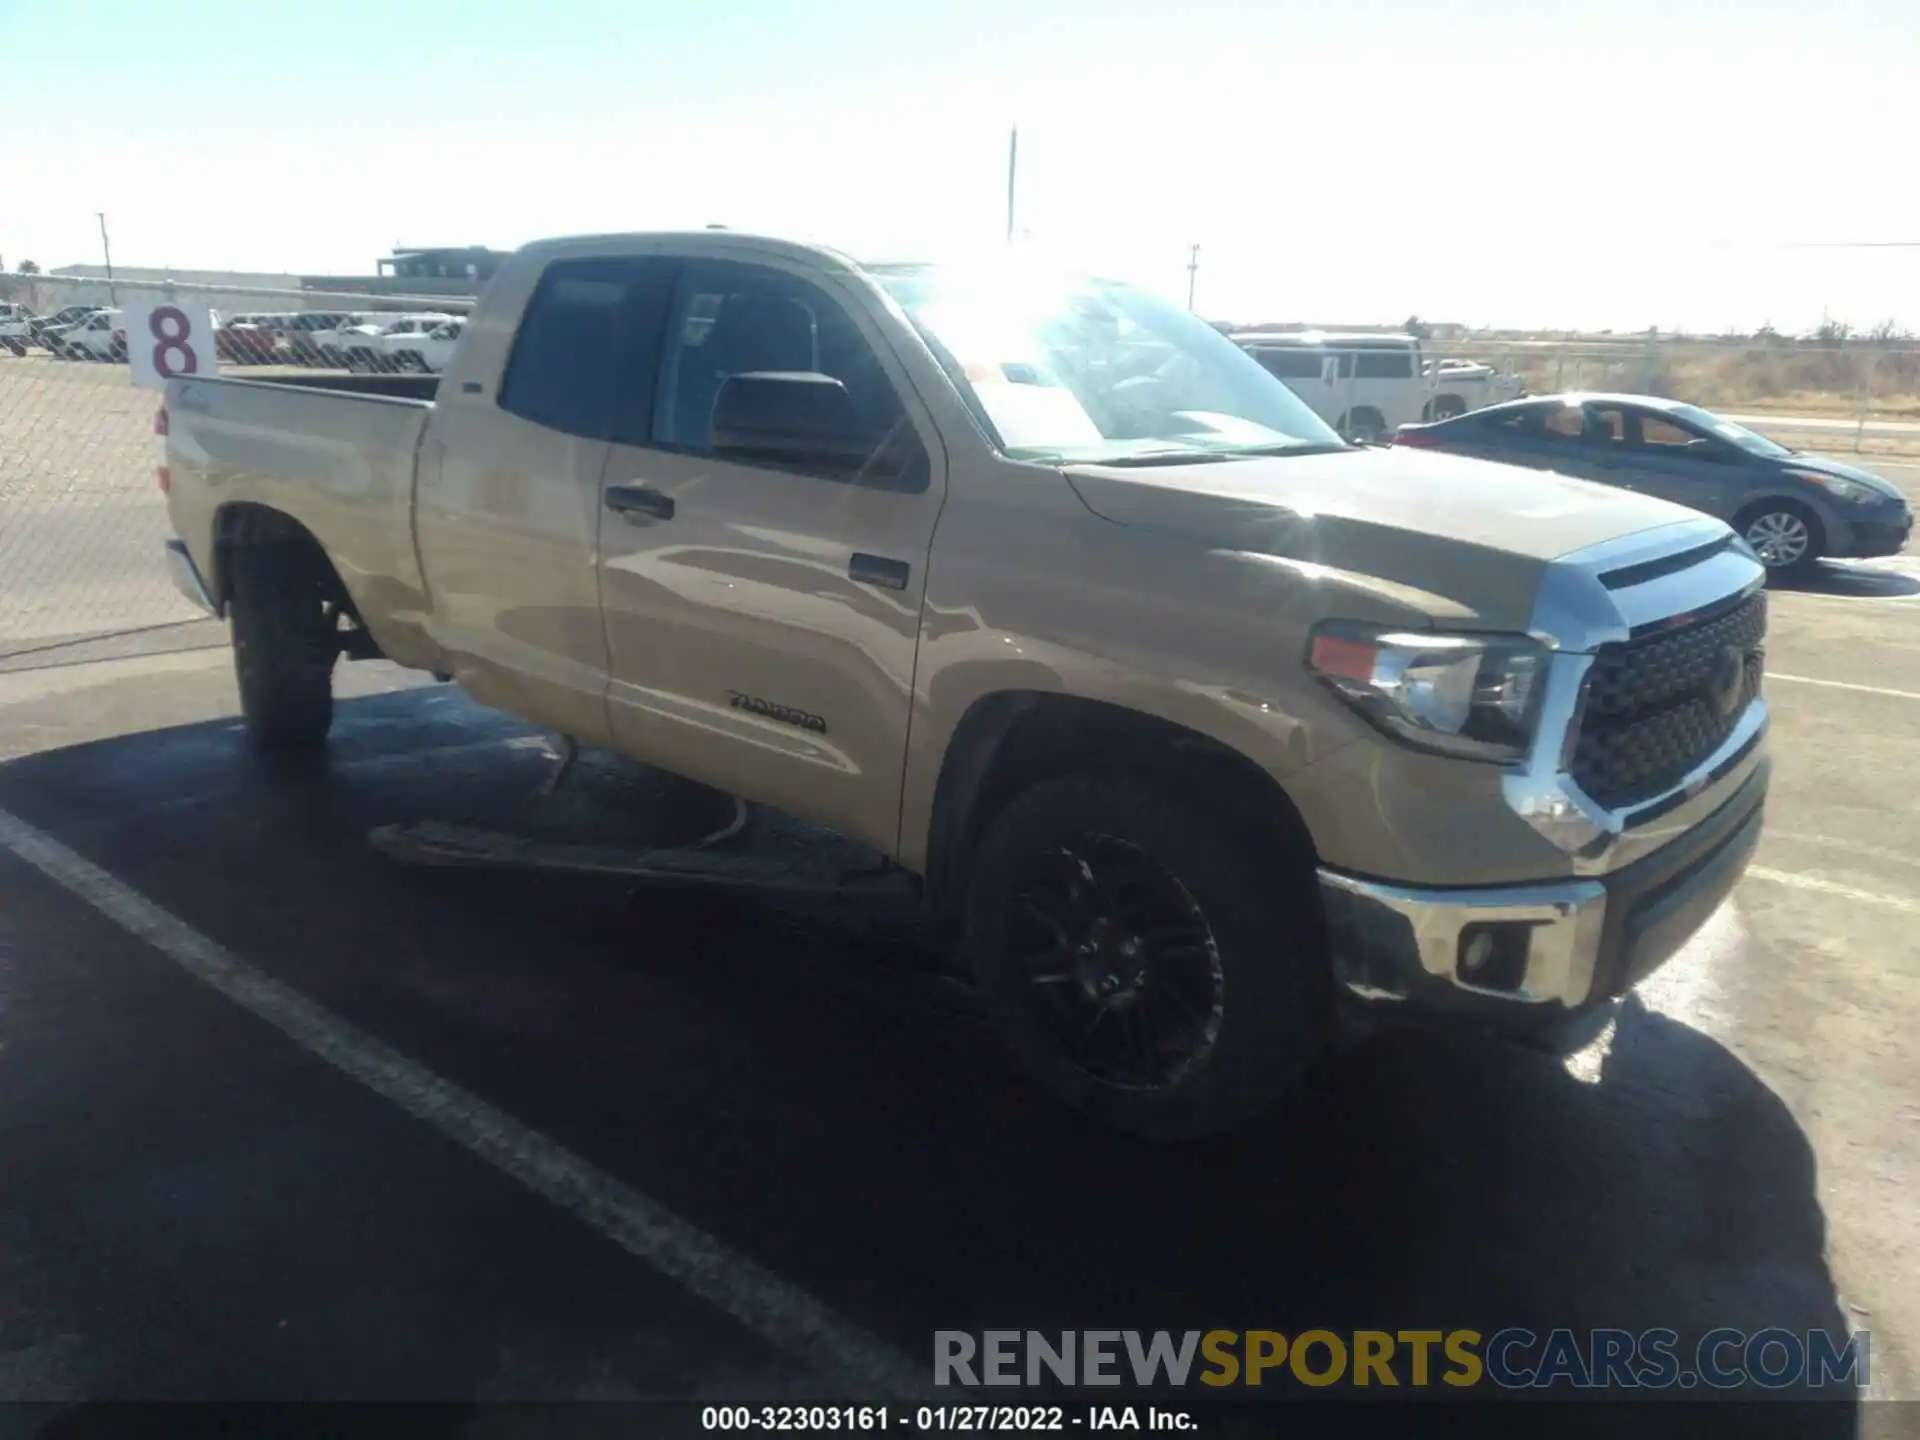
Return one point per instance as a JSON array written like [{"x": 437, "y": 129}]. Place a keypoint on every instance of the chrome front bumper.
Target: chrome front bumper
[
  {"x": 186, "y": 577},
  {"x": 1576, "y": 942}
]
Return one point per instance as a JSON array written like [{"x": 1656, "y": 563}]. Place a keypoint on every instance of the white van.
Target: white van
[{"x": 1366, "y": 386}]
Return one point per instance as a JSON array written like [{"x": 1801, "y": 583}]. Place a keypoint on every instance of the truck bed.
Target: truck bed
[{"x": 336, "y": 453}]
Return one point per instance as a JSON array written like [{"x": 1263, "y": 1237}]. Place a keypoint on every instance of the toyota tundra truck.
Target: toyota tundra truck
[{"x": 1198, "y": 730}]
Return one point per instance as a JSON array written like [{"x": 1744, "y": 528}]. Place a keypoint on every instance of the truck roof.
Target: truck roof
[
  {"x": 639, "y": 241},
  {"x": 1355, "y": 340}
]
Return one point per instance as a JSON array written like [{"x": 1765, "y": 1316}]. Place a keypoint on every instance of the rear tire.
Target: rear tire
[
  {"x": 285, "y": 642},
  {"x": 1364, "y": 425},
  {"x": 1187, "y": 947}
]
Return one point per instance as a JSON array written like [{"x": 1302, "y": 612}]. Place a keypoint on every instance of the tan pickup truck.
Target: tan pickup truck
[{"x": 1199, "y": 728}]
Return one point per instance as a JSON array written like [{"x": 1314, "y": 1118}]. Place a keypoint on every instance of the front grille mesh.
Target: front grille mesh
[{"x": 1658, "y": 706}]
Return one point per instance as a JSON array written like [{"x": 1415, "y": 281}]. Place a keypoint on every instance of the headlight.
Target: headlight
[
  {"x": 1840, "y": 487},
  {"x": 1474, "y": 696}
]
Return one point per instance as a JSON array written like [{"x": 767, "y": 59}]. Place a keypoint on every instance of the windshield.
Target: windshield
[
  {"x": 1081, "y": 370},
  {"x": 1733, "y": 434}
]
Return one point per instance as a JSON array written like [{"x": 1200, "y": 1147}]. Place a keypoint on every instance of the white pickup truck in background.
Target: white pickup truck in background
[
  {"x": 377, "y": 347},
  {"x": 1457, "y": 386},
  {"x": 427, "y": 352}
]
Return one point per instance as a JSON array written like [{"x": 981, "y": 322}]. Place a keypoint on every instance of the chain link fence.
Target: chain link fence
[
  {"x": 1857, "y": 395},
  {"x": 82, "y": 516}
]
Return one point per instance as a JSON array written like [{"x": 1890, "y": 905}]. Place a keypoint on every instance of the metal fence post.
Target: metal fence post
[{"x": 1866, "y": 398}]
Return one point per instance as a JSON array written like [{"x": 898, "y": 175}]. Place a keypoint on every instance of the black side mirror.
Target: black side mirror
[{"x": 799, "y": 418}]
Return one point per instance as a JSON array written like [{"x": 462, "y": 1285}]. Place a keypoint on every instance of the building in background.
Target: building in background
[
  {"x": 424, "y": 270},
  {"x": 451, "y": 271}
]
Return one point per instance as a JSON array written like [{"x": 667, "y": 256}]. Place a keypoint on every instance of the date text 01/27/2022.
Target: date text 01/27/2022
[{"x": 952, "y": 1418}]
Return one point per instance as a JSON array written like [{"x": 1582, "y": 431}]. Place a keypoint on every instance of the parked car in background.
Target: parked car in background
[
  {"x": 1791, "y": 507},
  {"x": 428, "y": 352},
  {"x": 332, "y": 340},
  {"x": 63, "y": 319},
  {"x": 1457, "y": 386},
  {"x": 304, "y": 338},
  {"x": 375, "y": 348},
  {"x": 245, "y": 339},
  {"x": 15, "y": 328},
  {"x": 1362, "y": 385},
  {"x": 101, "y": 336}
]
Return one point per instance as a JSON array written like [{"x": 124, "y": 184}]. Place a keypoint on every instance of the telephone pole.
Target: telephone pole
[
  {"x": 113, "y": 295},
  {"x": 1013, "y": 171},
  {"x": 1193, "y": 271}
]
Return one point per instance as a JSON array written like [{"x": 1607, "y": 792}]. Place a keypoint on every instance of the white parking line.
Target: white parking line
[
  {"x": 1852, "y": 847},
  {"x": 1845, "y": 685},
  {"x": 1834, "y": 887},
  {"x": 786, "y": 1317}
]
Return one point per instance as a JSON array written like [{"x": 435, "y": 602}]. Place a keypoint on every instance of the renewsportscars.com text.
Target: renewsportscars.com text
[{"x": 1512, "y": 1359}]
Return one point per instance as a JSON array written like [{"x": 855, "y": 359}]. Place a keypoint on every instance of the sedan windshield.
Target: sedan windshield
[
  {"x": 1731, "y": 433},
  {"x": 1087, "y": 371}
]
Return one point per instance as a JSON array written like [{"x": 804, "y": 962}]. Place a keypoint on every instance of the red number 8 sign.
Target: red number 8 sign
[{"x": 171, "y": 328}]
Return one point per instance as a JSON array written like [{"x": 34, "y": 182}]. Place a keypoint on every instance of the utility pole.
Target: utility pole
[
  {"x": 1193, "y": 271},
  {"x": 113, "y": 295},
  {"x": 1013, "y": 171}
]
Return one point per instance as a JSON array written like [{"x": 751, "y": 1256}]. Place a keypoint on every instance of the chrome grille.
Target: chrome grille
[{"x": 1658, "y": 706}]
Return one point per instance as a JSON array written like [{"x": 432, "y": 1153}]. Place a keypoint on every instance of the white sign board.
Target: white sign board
[{"x": 166, "y": 338}]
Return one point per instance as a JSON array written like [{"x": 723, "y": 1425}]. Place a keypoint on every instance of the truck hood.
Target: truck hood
[{"x": 1462, "y": 540}]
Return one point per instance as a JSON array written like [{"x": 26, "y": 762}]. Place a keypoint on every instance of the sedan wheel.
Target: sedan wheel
[{"x": 1780, "y": 538}]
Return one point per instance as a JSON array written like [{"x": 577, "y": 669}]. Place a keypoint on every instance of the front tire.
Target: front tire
[
  {"x": 285, "y": 642},
  {"x": 1151, "y": 962},
  {"x": 1787, "y": 537}
]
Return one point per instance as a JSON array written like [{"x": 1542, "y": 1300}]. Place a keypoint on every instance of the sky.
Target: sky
[{"x": 1533, "y": 163}]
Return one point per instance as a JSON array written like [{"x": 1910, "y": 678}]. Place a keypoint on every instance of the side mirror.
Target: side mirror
[{"x": 798, "y": 418}]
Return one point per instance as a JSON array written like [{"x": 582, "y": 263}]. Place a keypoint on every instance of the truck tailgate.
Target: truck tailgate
[{"x": 341, "y": 464}]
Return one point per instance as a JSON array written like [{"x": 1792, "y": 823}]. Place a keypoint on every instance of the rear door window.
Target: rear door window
[
  {"x": 1606, "y": 426},
  {"x": 1563, "y": 425},
  {"x": 564, "y": 371}
]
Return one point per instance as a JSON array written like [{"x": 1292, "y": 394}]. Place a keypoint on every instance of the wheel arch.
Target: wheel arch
[
  {"x": 246, "y": 523},
  {"x": 1009, "y": 740}
]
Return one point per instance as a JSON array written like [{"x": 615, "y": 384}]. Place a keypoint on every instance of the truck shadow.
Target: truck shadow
[
  {"x": 1860, "y": 579},
  {"x": 816, "y": 1093}
]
